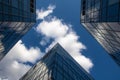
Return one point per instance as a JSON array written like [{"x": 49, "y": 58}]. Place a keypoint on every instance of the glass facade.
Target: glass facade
[
  {"x": 100, "y": 11},
  {"x": 16, "y": 18},
  {"x": 57, "y": 64},
  {"x": 17, "y": 10},
  {"x": 101, "y": 18}
]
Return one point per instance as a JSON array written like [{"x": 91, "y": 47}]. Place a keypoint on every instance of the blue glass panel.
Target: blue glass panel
[
  {"x": 111, "y": 2},
  {"x": 113, "y": 10},
  {"x": 104, "y": 3}
]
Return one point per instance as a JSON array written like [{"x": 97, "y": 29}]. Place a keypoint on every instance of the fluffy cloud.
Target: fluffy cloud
[
  {"x": 13, "y": 65},
  {"x": 23, "y": 54},
  {"x": 62, "y": 33},
  {"x": 53, "y": 29},
  {"x": 41, "y": 14}
]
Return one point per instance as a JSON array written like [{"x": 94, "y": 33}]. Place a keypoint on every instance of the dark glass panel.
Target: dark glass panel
[
  {"x": 113, "y": 10},
  {"x": 111, "y": 2}
]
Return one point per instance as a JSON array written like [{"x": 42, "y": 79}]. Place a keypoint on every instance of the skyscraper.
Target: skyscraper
[
  {"x": 57, "y": 64},
  {"x": 16, "y": 18},
  {"x": 102, "y": 19}
]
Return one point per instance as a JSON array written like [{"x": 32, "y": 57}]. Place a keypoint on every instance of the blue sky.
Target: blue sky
[{"x": 59, "y": 21}]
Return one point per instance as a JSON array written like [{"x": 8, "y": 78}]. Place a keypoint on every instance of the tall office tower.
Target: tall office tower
[
  {"x": 102, "y": 19},
  {"x": 16, "y": 18},
  {"x": 57, "y": 64}
]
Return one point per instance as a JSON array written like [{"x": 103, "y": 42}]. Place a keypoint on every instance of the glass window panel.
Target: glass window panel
[
  {"x": 45, "y": 77},
  {"x": 114, "y": 26},
  {"x": 92, "y": 3},
  {"x": 115, "y": 43},
  {"x": 104, "y": 3},
  {"x": 118, "y": 39},
  {"x": 6, "y": 1},
  {"x": 112, "y": 19},
  {"x": 110, "y": 2},
  {"x": 97, "y": 5},
  {"x": 103, "y": 14},
  {"x": 89, "y": 5},
  {"x": 106, "y": 45},
  {"x": 26, "y": 5},
  {"x": 65, "y": 68},
  {"x": 109, "y": 37},
  {"x": 99, "y": 26},
  {"x": 113, "y": 10},
  {"x": 1, "y": 17},
  {"x": 59, "y": 76},
  {"x": 118, "y": 34},
  {"x": 15, "y": 3},
  {"x": 119, "y": 15},
  {"x": 106, "y": 26}
]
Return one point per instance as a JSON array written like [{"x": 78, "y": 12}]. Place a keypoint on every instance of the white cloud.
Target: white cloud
[
  {"x": 63, "y": 34},
  {"x": 13, "y": 67},
  {"x": 53, "y": 29},
  {"x": 41, "y": 14},
  {"x": 25, "y": 55},
  {"x": 44, "y": 41}
]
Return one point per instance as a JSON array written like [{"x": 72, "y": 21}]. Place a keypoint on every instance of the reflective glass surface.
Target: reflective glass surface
[
  {"x": 108, "y": 35},
  {"x": 100, "y": 11},
  {"x": 101, "y": 18},
  {"x": 16, "y": 18},
  {"x": 17, "y": 10},
  {"x": 57, "y": 64},
  {"x": 10, "y": 33}
]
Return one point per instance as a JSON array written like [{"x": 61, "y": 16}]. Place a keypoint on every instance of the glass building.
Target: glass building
[
  {"x": 102, "y": 19},
  {"x": 57, "y": 64},
  {"x": 16, "y": 18}
]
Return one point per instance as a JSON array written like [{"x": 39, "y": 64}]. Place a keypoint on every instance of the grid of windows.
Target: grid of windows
[
  {"x": 100, "y": 11},
  {"x": 10, "y": 33},
  {"x": 57, "y": 65},
  {"x": 101, "y": 19},
  {"x": 106, "y": 35},
  {"x": 16, "y": 18},
  {"x": 17, "y": 10}
]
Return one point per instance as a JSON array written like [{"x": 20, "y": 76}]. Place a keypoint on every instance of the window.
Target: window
[
  {"x": 32, "y": 6},
  {"x": 103, "y": 14},
  {"x": 83, "y": 7},
  {"x": 59, "y": 76},
  {"x": 113, "y": 10},
  {"x": 15, "y": 3},
  {"x": 83, "y": 12},
  {"x": 111, "y": 2},
  {"x": 104, "y": 3},
  {"x": 97, "y": 5},
  {"x": 5, "y": 1}
]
